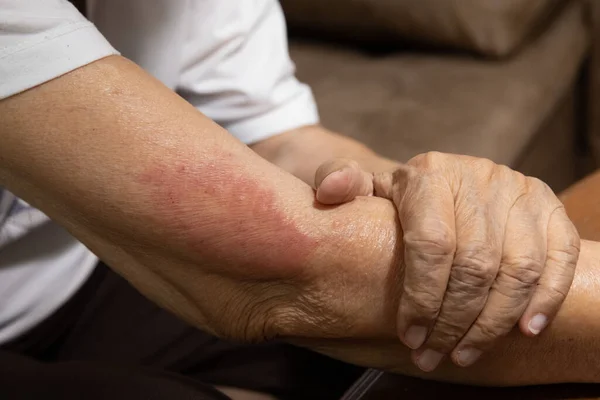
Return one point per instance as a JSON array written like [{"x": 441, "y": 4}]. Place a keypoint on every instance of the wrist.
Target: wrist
[{"x": 349, "y": 288}]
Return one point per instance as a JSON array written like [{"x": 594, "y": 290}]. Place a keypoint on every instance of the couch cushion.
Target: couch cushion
[
  {"x": 405, "y": 104},
  {"x": 491, "y": 27}
]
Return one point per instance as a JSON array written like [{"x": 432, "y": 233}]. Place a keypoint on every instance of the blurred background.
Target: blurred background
[{"x": 511, "y": 80}]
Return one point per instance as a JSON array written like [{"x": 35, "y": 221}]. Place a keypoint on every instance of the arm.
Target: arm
[
  {"x": 490, "y": 289},
  {"x": 303, "y": 150},
  {"x": 201, "y": 225},
  {"x": 174, "y": 203},
  {"x": 567, "y": 351}
]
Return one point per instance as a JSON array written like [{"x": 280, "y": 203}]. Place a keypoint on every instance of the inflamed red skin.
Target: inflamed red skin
[{"x": 243, "y": 225}]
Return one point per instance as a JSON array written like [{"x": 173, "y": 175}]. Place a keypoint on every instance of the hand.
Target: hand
[{"x": 485, "y": 248}]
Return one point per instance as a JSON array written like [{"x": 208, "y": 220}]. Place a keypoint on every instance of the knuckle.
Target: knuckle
[
  {"x": 526, "y": 269},
  {"x": 565, "y": 239},
  {"x": 428, "y": 160},
  {"x": 452, "y": 325},
  {"x": 517, "y": 179},
  {"x": 480, "y": 169},
  {"x": 506, "y": 170},
  {"x": 432, "y": 242},
  {"x": 444, "y": 337},
  {"x": 521, "y": 273},
  {"x": 573, "y": 247},
  {"x": 424, "y": 303},
  {"x": 488, "y": 329},
  {"x": 556, "y": 295},
  {"x": 473, "y": 268},
  {"x": 484, "y": 164},
  {"x": 568, "y": 254},
  {"x": 539, "y": 190},
  {"x": 537, "y": 185}
]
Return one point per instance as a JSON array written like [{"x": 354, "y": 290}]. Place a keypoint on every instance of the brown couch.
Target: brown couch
[{"x": 500, "y": 79}]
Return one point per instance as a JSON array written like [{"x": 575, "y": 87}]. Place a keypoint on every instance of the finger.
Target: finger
[
  {"x": 393, "y": 185},
  {"x": 521, "y": 267},
  {"x": 341, "y": 180},
  {"x": 474, "y": 268},
  {"x": 426, "y": 213},
  {"x": 557, "y": 276}
]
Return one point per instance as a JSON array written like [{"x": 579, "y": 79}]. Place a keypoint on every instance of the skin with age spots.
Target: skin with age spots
[{"x": 239, "y": 205}]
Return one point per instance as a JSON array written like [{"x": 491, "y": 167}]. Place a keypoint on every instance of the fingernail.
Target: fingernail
[
  {"x": 537, "y": 323},
  {"x": 429, "y": 360},
  {"x": 415, "y": 336},
  {"x": 468, "y": 356}
]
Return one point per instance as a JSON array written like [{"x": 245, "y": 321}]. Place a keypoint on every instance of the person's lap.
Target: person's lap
[{"x": 109, "y": 324}]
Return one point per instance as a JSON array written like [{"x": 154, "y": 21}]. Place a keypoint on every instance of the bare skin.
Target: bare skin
[
  {"x": 203, "y": 226},
  {"x": 511, "y": 261},
  {"x": 565, "y": 352},
  {"x": 302, "y": 151}
]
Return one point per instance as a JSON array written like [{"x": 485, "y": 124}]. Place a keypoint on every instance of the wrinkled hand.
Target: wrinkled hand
[{"x": 485, "y": 248}]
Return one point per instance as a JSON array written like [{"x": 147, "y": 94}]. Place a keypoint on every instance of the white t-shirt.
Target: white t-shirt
[{"x": 228, "y": 58}]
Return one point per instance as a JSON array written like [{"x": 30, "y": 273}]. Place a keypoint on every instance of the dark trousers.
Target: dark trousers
[{"x": 110, "y": 342}]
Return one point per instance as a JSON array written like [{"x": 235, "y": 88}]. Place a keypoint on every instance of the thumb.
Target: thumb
[{"x": 341, "y": 180}]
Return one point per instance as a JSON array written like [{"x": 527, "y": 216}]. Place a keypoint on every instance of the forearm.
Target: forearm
[
  {"x": 366, "y": 277},
  {"x": 141, "y": 177},
  {"x": 566, "y": 352},
  {"x": 107, "y": 142},
  {"x": 303, "y": 150}
]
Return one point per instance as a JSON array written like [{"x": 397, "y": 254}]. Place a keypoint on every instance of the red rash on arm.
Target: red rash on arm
[{"x": 242, "y": 223}]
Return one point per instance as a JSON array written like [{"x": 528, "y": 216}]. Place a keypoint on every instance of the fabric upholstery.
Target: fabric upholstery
[
  {"x": 490, "y": 27},
  {"x": 593, "y": 100},
  {"x": 407, "y": 103}
]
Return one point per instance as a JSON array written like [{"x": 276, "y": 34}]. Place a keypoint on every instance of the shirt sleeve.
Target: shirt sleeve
[
  {"x": 43, "y": 39},
  {"x": 236, "y": 69}
]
